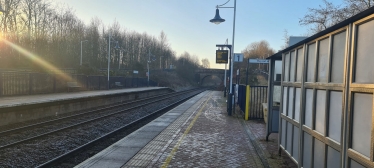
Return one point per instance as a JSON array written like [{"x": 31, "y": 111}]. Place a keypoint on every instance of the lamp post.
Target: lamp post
[
  {"x": 160, "y": 62},
  {"x": 217, "y": 20},
  {"x": 229, "y": 98},
  {"x": 149, "y": 56},
  {"x": 224, "y": 81},
  {"x": 149, "y": 61},
  {"x": 116, "y": 47},
  {"x": 119, "y": 59},
  {"x": 81, "y": 51}
]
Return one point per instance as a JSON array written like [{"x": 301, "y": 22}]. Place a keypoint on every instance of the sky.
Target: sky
[{"x": 186, "y": 22}]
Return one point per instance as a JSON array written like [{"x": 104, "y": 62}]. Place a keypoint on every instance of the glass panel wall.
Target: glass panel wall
[
  {"x": 323, "y": 53},
  {"x": 364, "y": 58},
  {"x": 337, "y": 57},
  {"x": 311, "y": 62}
]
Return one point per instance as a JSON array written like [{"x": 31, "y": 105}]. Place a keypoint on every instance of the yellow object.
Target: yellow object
[
  {"x": 265, "y": 110},
  {"x": 247, "y": 102}
]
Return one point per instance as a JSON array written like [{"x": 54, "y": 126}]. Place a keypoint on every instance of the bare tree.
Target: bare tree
[
  {"x": 164, "y": 47},
  {"x": 330, "y": 14},
  {"x": 205, "y": 63},
  {"x": 286, "y": 39},
  {"x": 186, "y": 65},
  {"x": 259, "y": 49},
  {"x": 53, "y": 32},
  {"x": 255, "y": 50}
]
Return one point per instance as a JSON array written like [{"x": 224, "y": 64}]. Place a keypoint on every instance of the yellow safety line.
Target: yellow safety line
[{"x": 172, "y": 153}]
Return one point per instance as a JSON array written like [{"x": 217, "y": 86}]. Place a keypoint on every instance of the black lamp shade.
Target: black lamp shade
[{"x": 217, "y": 19}]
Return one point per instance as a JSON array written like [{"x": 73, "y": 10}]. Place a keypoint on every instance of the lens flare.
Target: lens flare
[{"x": 38, "y": 60}]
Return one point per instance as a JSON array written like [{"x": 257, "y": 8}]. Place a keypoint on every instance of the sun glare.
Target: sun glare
[{"x": 39, "y": 61}]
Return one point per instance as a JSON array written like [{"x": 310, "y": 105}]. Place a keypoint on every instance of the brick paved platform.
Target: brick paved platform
[
  {"x": 209, "y": 139},
  {"x": 200, "y": 135}
]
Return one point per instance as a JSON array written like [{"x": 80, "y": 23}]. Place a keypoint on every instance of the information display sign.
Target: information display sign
[
  {"x": 259, "y": 61},
  {"x": 238, "y": 57},
  {"x": 222, "y": 56}
]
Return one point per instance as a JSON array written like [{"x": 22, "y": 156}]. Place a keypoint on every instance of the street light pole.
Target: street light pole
[
  {"x": 81, "y": 51},
  {"x": 110, "y": 36},
  {"x": 224, "y": 81},
  {"x": 119, "y": 59},
  {"x": 149, "y": 57},
  {"x": 217, "y": 20},
  {"x": 232, "y": 53},
  {"x": 161, "y": 61},
  {"x": 108, "y": 59}
]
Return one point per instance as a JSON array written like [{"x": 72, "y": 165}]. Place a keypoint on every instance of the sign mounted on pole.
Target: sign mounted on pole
[
  {"x": 259, "y": 61},
  {"x": 238, "y": 57},
  {"x": 222, "y": 56}
]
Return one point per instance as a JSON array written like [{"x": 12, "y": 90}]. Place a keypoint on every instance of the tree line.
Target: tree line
[
  {"x": 54, "y": 33},
  {"x": 329, "y": 14},
  {"x": 256, "y": 72}
]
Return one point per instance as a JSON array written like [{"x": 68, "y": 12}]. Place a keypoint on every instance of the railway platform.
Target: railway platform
[
  {"x": 16, "y": 109},
  {"x": 197, "y": 133},
  {"x": 13, "y": 101}
]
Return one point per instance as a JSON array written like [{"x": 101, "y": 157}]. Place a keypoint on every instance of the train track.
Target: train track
[
  {"x": 47, "y": 143},
  {"x": 10, "y": 137},
  {"x": 80, "y": 114}
]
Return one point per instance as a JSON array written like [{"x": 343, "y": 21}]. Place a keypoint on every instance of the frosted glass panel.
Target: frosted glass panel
[
  {"x": 320, "y": 111},
  {"x": 311, "y": 63},
  {"x": 323, "y": 54},
  {"x": 297, "y": 104},
  {"x": 292, "y": 68},
  {"x": 335, "y": 115},
  {"x": 307, "y": 146},
  {"x": 337, "y": 58},
  {"x": 333, "y": 158},
  {"x": 277, "y": 69},
  {"x": 286, "y": 67},
  {"x": 289, "y": 137},
  {"x": 283, "y": 141},
  {"x": 284, "y": 104},
  {"x": 318, "y": 154},
  {"x": 364, "y": 58},
  {"x": 361, "y": 131},
  {"x": 308, "y": 107},
  {"x": 354, "y": 164},
  {"x": 277, "y": 94},
  {"x": 290, "y": 102},
  {"x": 295, "y": 148},
  {"x": 299, "y": 65}
]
